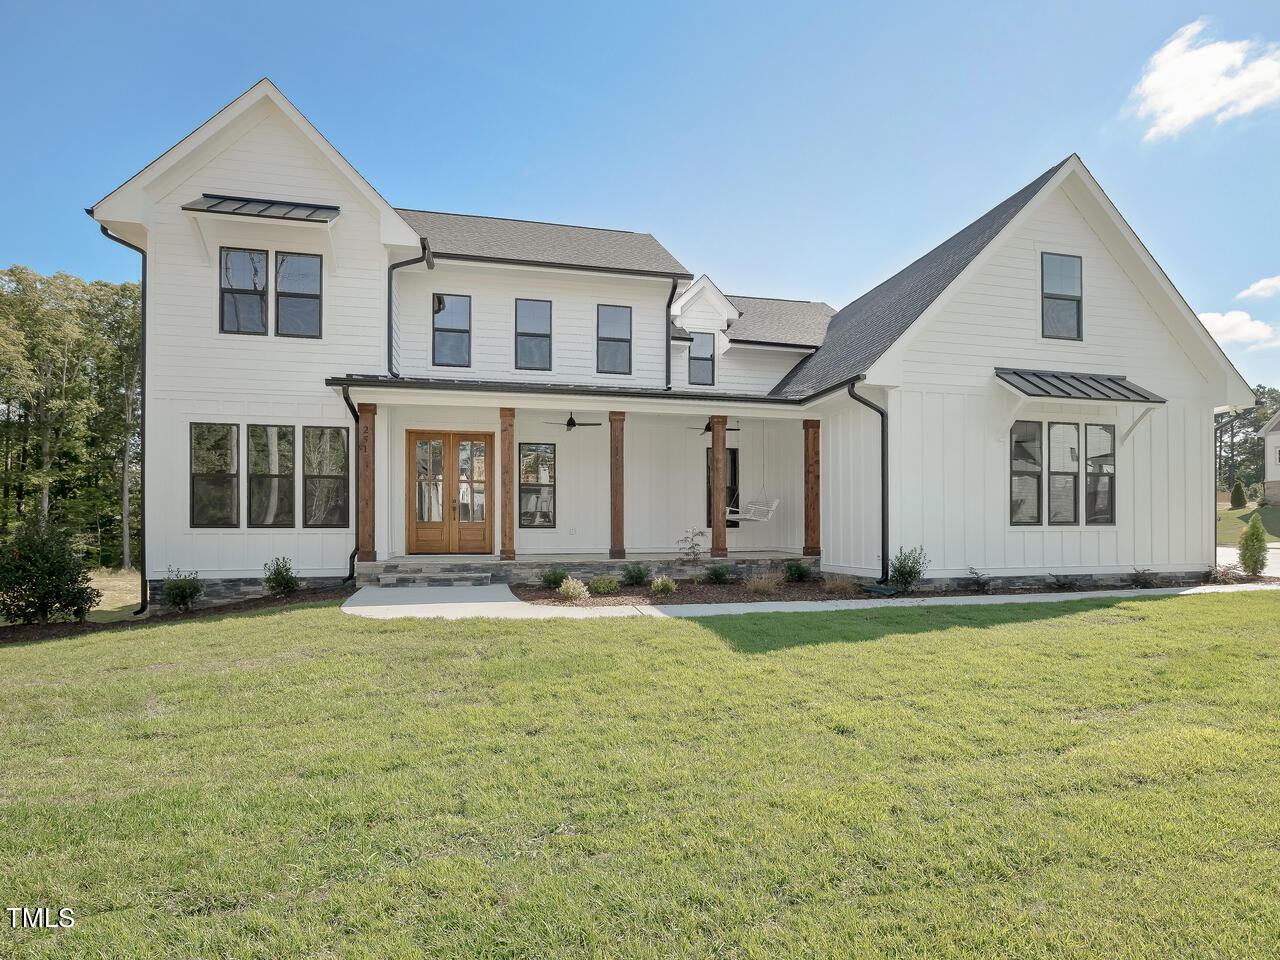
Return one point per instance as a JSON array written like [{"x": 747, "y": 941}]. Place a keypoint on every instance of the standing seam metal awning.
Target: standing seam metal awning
[
  {"x": 256, "y": 207},
  {"x": 1064, "y": 385}
]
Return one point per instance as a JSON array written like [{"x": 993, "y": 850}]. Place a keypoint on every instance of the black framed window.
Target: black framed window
[
  {"x": 242, "y": 282},
  {"x": 215, "y": 475},
  {"x": 730, "y": 483},
  {"x": 613, "y": 339},
  {"x": 1061, "y": 295},
  {"x": 1064, "y": 473},
  {"x": 1026, "y": 458},
  {"x": 298, "y": 278},
  {"x": 538, "y": 485},
  {"x": 450, "y": 330},
  {"x": 270, "y": 476},
  {"x": 325, "y": 477},
  {"x": 533, "y": 334},
  {"x": 1100, "y": 474},
  {"x": 702, "y": 359}
]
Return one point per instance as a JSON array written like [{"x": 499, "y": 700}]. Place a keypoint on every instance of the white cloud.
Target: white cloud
[
  {"x": 1190, "y": 78},
  {"x": 1266, "y": 287},
  {"x": 1236, "y": 326}
]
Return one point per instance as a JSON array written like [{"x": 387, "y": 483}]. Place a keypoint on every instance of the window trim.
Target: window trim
[
  {"x": 192, "y": 475},
  {"x": 1038, "y": 474},
  {"x": 319, "y": 297},
  {"x": 435, "y": 330},
  {"x": 711, "y": 359},
  {"x": 263, "y": 293},
  {"x": 325, "y": 476},
  {"x": 250, "y": 475},
  {"x": 1049, "y": 473},
  {"x": 628, "y": 341},
  {"x": 555, "y": 486},
  {"x": 1114, "y": 475},
  {"x": 546, "y": 336},
  {"x": 1078, "y": 300}
]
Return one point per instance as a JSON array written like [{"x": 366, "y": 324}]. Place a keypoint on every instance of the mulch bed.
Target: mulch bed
[{"x": 27, "y": 633}]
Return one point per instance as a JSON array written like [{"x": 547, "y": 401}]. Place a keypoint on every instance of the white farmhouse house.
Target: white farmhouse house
[
  {"x": 375, "y": 391},
  {"x": 1270, "y": 436}
]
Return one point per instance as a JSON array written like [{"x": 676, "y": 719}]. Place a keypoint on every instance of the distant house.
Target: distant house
[
  {"x": 359, "y": 386},
  {"x": 1270, "y": 436}
]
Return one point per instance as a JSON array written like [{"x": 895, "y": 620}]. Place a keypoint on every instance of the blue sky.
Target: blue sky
[{"x": 796, "y": 150}]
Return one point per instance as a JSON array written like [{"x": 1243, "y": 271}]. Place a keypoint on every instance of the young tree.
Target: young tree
[
  {"x": 1253, "y": 548},
  {"x": 1237, "y": 496}
]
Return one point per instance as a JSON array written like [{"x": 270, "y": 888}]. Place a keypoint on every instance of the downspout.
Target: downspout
[
  {"x": 351, "y": 560},
  {"x": 884, "y": 474},
  {"x": 424, "y": 257},
  {"x": 671, "y": 298},
  {"x": 142, "y": 415}
]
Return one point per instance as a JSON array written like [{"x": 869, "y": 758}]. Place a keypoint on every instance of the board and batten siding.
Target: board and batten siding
[
  {"x": 950, "y": 418},
  {"x": 195, "y": 373}
]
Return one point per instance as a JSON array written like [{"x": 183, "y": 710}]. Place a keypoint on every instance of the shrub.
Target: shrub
[
  {"x": 1237, "y": 496},
  {"x": 906, "y": 570},
  {"x": 764, "y": 584},
  {"x": 719, "y": 574},
  {"x": 981, "y": 582},
  {"x": 691, "y": 545},
  {"x": 279, "y": 578},
  {"x": 636, "y": 574},
  {"x": 1253, "y": 492},
  {"x": 42, "y": 578},
  {"x": 663, "y": 586},
  {"x": 1145, "y": 579},
  {"x": 844, "y": 588},
  {"x": 604, "y": 585},
  {"x": 1253, "y": 548},
  {"x": 181, "y": 590},
  {"x": 1226, "y": 573},
  {"x": 797, "y": 571},
  {"x": 571, "y": 588},
  {"x": 552, "y": 577}
]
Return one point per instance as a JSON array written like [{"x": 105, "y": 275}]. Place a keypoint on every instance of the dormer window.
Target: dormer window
[
  {"x": 1060, "y": 297},
  {"x": 702, "y": 359}
]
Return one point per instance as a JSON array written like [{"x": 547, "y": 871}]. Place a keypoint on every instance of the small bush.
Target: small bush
[
  {"x": 1253, "y": 492},
  {"x": 981, "y": 582},
  {"x": 718, "y": 574},
  {"x": 279, "y": 579},
  {"x": 552, "y": 577},
  {"x": 571, "y": 588},
  {"x": 180, "y": 590},
  {"x": 1226, "y": 573},
  {"x": 1145, "y": 579},
  {"x": 843, "y": 588},
  {"x": 1253, "y": 548},
  {"x": 663, "y": 586},
  {"x": 690, "y": 545},
  {"x": 764, "y": 584},
  {"x": 1237, "y": 496},
  {"x": 604, "y": 585},
  {"x": 906, "y": 570},
  {"x": 636, "y": 574},
  {"x": 797, "y": 571},
  {"x": 42, "y": 578}
]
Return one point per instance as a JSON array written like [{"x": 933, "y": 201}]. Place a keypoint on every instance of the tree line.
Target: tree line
[
  {"x": 70, "y": 389},
  {"x": 1240, "y": 450}
]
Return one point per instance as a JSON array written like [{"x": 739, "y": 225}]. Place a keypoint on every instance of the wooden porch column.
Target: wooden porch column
[
  {"x": 812, "y": 488},
  {"x": 507, "y": 439},
  {"x": 364, "y": 477},
  {"x": 617, "y": 539},
  {"x": 719, "y": 507}
]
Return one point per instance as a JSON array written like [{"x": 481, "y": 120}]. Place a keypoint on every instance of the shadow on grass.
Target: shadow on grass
[{"x": 766, "y": 632}]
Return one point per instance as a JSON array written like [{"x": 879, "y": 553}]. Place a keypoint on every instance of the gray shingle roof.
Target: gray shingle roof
[
  {"x": 859, "y": 334},
  {"x": 800, "y": 323},
  {"x": 465, "y": 237},
  {"x": 1065, "y": 385}
]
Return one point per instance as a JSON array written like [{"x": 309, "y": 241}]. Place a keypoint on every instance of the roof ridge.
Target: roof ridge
[
  {"x": 745, "y": 296},
  {"x": 544, "y": 223}
]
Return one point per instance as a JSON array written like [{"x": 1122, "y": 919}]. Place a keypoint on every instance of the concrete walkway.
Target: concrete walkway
[{"x": 497, "y": 601}]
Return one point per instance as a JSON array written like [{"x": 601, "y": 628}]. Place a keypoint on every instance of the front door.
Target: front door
[{"x": 447, "y": 502}]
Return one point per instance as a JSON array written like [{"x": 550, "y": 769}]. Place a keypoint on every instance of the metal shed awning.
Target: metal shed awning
[
  {"x": 257, "y": 207},
  {"x": 1064, "y": 385}
]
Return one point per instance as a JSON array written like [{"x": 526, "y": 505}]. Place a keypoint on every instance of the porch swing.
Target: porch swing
[{"x": 759, "y": 510}]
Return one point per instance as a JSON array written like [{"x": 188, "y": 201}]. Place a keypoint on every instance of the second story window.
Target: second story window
[
  {"x": 702, "y": 359},
  {"x": 1060, "y": 297},
  {"x": 297, "y": 295},
  {"x": 451, "y": 330},
  {"x": 242, "y": 278},
  {"x": 613, "y": 339},
  {"x": 533, "y": 334}
]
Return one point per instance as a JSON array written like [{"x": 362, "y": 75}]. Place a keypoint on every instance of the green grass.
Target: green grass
[
  {"x": 120, "y": 595},
  {"x": 1093, "y": 778},
  {"x": 1232, "y": 522}
]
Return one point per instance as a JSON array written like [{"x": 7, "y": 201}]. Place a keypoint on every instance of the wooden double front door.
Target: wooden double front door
[{"x": 451, "y": 492}]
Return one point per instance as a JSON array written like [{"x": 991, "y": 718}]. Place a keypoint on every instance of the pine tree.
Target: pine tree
[
  {"x": 1253, "y": 547},
  {"x": 1237, "y": 496}
]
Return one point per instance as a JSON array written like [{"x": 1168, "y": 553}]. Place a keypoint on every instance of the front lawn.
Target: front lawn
[
  {"x": 1231, "y": 523},
  {"x": 1093, "y": 778}
]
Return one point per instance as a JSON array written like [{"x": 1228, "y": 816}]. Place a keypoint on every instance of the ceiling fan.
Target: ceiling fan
[
  {"x": 571, "y": 423},
  {"x": 707, "y": 428}
]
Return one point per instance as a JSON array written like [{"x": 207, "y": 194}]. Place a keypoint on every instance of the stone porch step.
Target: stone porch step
[{"x": 434, "y": 578}]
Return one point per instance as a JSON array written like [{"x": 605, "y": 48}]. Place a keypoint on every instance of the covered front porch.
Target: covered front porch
[{"x": 453, "y": 478}]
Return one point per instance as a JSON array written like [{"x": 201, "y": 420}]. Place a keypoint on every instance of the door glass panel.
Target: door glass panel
[
  {"x": 464, "y": 460},
  {"x": 430, "y": 455},
  {"x": 477, "y": 502},
  {"x": 464, "y": 502},
  {"x": 477, "y": 459}
]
